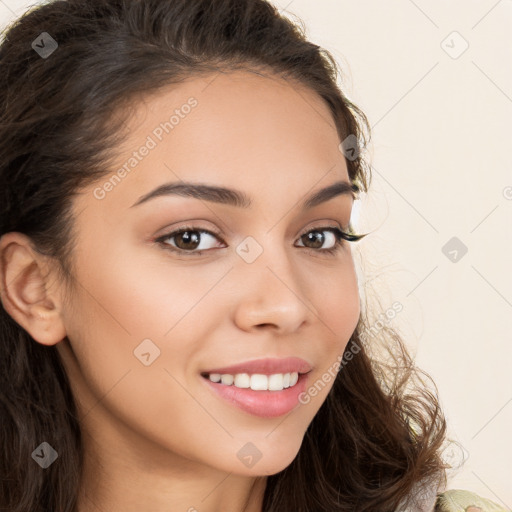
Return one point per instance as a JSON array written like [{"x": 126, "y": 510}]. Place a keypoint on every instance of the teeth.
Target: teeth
[
  {"x": 242, "y": 380},
  {"x": 257, "y": 382},
  {"x": 226, "y": 379},
  {"x": 276, "y": 381}
]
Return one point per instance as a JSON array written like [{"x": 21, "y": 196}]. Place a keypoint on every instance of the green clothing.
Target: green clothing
[{"x": 457, "y": 500}]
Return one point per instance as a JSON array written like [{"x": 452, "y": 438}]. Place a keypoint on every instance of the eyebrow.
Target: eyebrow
[{"x": 239, "y": 199}]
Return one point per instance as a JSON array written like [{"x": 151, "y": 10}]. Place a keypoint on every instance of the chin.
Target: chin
[{"x": 275, "y": 461}]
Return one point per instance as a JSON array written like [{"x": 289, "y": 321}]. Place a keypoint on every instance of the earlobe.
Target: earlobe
[{"x": 25, "y": 293}]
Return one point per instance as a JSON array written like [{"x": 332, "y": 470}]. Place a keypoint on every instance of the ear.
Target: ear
[{"x": 26, "y": 289}]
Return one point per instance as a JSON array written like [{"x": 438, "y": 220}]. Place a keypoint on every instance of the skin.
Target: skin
[{"x": 156, "y": 438}]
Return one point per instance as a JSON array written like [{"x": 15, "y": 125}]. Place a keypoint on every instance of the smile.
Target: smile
[
  {"x": 262, "y": 402},
  {"x": 256, "y": 382}
]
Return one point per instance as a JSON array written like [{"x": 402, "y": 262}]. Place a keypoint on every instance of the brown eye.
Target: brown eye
[
  {"x": 194, "y": 241},
  {"x": 315, "y": 239},
  {"x": 188, "y": 240}
]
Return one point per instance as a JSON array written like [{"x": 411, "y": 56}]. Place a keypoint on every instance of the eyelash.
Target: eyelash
[{"x": 340, "y": 235}]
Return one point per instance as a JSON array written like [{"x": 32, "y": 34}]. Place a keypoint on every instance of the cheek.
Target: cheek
[
  {"x": 340, "y": 307},
  {"x": 133, "y": 301},
  {"x": 126, "y": 302},
  {"x": 334, "y": 293},
  {"x": 141, "y": 294},
  {"x": 130, "y": 310}
]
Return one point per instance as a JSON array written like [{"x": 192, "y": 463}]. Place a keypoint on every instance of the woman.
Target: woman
[{"x": 181, "y": 325}]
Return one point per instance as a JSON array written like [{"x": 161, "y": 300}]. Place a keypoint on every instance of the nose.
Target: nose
[{"x": 272, "y": 294}]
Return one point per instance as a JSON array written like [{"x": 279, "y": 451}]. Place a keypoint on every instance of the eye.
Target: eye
[
  {"x": 189, "y": 239},
  {"x": 336, "y": 239},
  {"x": 317, "y": 238}
]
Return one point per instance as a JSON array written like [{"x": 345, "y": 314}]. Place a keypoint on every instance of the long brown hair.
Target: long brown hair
[{"x": 379, "y": 433}]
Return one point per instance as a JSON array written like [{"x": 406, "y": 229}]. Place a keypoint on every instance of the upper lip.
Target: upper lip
[{"x": 267, "y": 366}]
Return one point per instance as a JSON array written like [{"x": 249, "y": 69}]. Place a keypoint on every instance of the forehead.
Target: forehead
[{"x": 262, "y": 134}]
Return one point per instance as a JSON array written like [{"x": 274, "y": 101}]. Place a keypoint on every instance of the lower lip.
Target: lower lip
[{"x": 266, "y": 404}]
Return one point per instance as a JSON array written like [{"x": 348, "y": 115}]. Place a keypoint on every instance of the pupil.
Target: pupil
[
  {"x": 316, "y": 238},
  {"x": 189, "y": 239}
]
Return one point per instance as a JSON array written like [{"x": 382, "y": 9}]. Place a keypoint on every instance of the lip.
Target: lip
[
  {"x": 265, "y": 404},
  {"x": 265, "y": 366}
]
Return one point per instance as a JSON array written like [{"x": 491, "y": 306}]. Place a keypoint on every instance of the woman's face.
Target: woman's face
[{"x": 148, "y": 318}]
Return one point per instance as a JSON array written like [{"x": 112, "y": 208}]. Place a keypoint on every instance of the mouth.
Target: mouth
[
  {"x": 272, "y": 374},
  {"x": 266, "y": 393},
  {"x": 255, "y": 381}
]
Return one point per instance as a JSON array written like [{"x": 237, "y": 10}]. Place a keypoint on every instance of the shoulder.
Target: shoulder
[{"x": 457, "y": 500}]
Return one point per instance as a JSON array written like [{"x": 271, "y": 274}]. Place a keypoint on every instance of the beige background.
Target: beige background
[{"x": 442, "y": 168}]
